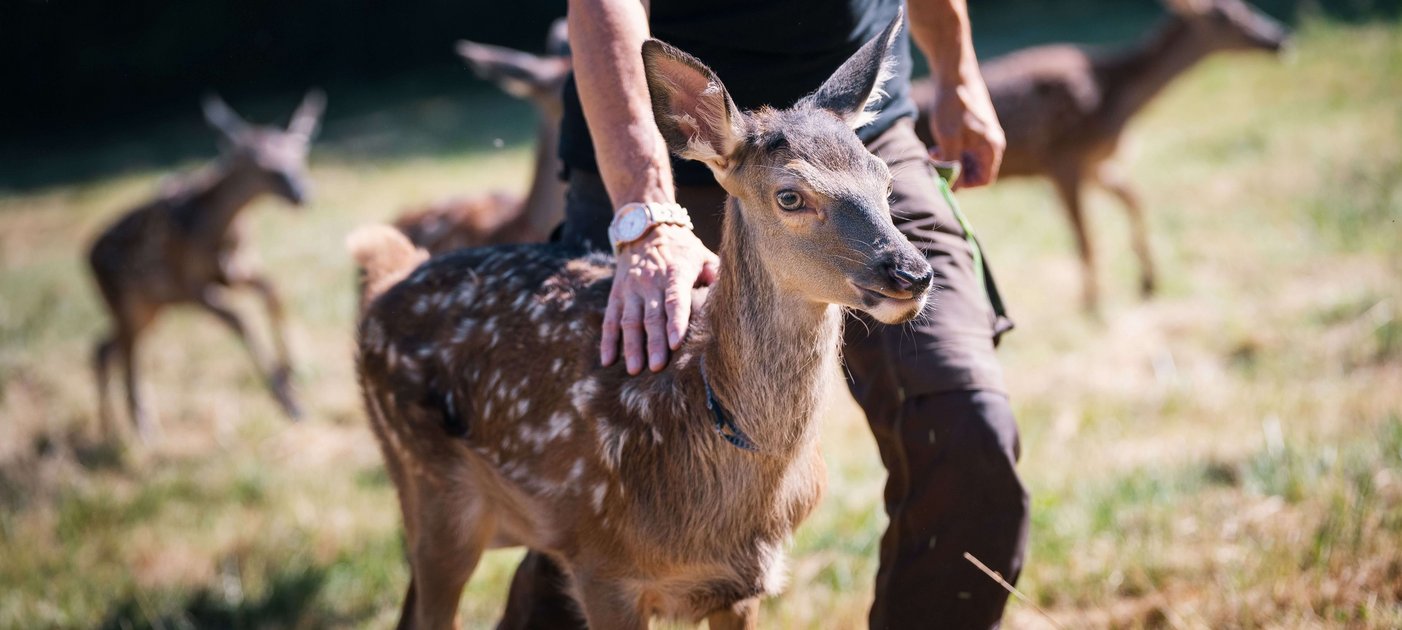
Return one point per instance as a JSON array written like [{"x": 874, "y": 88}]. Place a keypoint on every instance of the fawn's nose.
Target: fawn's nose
[{"x": 914, "y": 278}]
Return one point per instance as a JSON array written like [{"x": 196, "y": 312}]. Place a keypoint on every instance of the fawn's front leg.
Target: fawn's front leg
[
  {"x": 281, "y": 378},
  {"x": 212, "y": 299}
]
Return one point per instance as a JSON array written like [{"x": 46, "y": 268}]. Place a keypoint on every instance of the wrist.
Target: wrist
[{"x": 635, "y": 221}]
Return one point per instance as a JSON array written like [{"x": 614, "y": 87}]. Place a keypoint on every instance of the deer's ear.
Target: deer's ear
[
  {"x": 693, "y": 110},
  {"x": 1188, "y": 7},
  {"x": 222, "y": 118},
  {"x": 307, "y": 118},
  {"x": 517, "y": 73},
  {"x": 856, "y": 85}
]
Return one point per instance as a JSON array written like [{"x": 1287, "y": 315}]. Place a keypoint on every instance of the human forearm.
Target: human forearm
[
  {"x": 940, "y": 29},
  {"x": 606, "y": 40},
  {"x": 962, "y": 118}
]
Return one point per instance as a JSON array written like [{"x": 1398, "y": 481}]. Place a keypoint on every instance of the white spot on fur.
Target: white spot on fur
[
  {"x": 636, "y": 400},
  {"x": 582, "y": 393},
  {"x": 560, "y": 426},
  {"x": 612, "y": 439},
  {"x": 374, "y": 335},
  {"x": 556, "y": 364},
  {"x": 597, "y": 500}
]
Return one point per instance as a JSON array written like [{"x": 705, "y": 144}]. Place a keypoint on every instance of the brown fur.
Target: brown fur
[
  {"x": 1064, "y": 108},
  {"x": 480, "y": 374},
  {"x": 500, "y": 218},
  {"x": 185, "y": 247}
]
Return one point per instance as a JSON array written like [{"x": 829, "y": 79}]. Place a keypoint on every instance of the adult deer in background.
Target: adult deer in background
[
  {"x": 666, "y": 494},
  {"x": 500, "y": 218},
  {"x": 1064, "y": 108},
  {"x": 185, "y": 247}
]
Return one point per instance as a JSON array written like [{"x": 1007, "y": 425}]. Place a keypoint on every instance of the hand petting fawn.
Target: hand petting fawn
[
  {"x": 668, "y": 494},
  {"x": 1064, "y": 109},
  {"x": 186, "y": 247},
  {"x": 498, "y": 217}
]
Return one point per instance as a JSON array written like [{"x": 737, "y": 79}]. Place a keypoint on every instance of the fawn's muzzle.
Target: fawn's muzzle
[{"x": 908, "y": 278}]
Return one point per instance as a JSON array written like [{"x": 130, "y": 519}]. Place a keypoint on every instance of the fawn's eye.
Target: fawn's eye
[{"x": 789, "y": 200}]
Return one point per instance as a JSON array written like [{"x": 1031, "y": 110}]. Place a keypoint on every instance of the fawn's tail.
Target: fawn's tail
[{"x": 384, "y": 255}]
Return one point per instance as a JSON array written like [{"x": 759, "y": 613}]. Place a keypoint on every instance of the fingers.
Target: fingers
[
  {"x": 677, "y": 300},
  {"x": 655, "y": 324},
  {"x": 608, "y": 343},
  {"x": 980, "y": 165},
  {"x": 710, "y": 272},
  {"x": 650, "y": 305},
  {"x": 632, "y": 325}
]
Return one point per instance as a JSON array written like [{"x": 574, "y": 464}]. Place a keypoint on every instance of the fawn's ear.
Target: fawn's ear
[
  {"x": 1187, "y": 7},
  {"x": 307, "y": 118},
  {"x": 517, "y": 73},
  {"x": 856, "y": 85},
  {"x": 693, "y": 111},
  {"x": 222, "y": 118}
]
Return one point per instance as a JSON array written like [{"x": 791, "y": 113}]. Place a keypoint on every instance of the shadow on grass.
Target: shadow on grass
[{"x": 287, "y": 600}]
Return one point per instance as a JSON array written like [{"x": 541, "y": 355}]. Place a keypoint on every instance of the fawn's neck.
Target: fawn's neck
[
  {"x": 545, "y": 203},
  {"x": 1142, "y": 72},
  {"x": 219, "y": 200},
  {"x": 770, "y": 352}
]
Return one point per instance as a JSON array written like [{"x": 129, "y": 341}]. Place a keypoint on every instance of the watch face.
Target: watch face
[{"x": 631, "y": 225}]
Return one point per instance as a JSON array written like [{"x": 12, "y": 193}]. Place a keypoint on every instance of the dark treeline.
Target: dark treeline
[
  {"x": 84, "y": 64},
  {"x": 71, "y": 63}
]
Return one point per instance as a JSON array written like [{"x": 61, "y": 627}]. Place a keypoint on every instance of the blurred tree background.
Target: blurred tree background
[{"x": 78, "y": 72}]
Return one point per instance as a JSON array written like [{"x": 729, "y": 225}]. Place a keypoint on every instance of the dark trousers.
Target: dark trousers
[{"x": 933, "y": 393}]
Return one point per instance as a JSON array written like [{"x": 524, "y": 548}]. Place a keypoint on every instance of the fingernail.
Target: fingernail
[
  {"x": 673, "y": 339},
  {"x": 658, "y": 358}
]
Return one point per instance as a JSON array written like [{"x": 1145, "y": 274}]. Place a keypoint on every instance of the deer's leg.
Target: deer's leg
[
  {"x": 606, "y": 605},
  {"x": 132, "y": 318},
  {"x": 276, "y": 316},
  {"x": 126, "y": 346},
  {"x": 282, "y": 370},
  {"x": 213, "y": 301},
  {"x": 451, "y": 535},
  {"x": 1114, "y": 180},
  {"x": 743, "y": 615},
  {"x": 102, "y": 363},
  {"x": 1068, "y": 187}
]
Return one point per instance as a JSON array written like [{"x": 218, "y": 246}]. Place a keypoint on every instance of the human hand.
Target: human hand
[
  {"x": 650, "y": 303},
  {"x": 966, "y": 129}
]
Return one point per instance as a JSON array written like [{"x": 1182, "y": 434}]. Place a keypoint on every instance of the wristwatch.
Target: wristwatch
[{"x": 634, "y": 220}]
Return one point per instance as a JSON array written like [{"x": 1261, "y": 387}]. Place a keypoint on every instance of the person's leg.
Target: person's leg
[{"x": 933, "y": 394}]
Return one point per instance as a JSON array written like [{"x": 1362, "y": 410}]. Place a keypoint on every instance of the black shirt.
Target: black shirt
[{"x": 766, "y": 52}]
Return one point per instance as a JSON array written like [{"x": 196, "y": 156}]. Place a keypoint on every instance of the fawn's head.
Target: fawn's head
[
  {"x": 538, "y": 79},
  {"x": 813, "y": 197},
  {"x": 1231, "y": 24},
  {"x": 277, "y": 156}
]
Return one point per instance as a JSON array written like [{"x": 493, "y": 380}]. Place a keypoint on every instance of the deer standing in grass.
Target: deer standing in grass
[
  {"x": 1064, "y": 108},
  {"x": 185, "y": 247},
  {"x": 481, "y": 377},
  {"x": 500, "y": 218}
]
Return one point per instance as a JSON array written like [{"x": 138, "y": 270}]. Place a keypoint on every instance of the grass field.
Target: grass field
[{"x": 1228, "y": 454}]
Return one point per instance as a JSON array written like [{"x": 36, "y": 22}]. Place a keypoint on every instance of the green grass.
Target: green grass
[{"x": 1228, "y": 454}]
